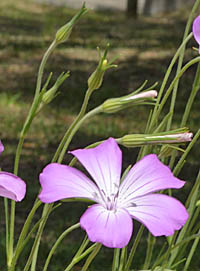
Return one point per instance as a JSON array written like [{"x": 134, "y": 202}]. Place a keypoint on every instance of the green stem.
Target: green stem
[
  {"x": 74, "y": 130},
  {"x": 151, "y": 243},
  {"x": 123, "y": 259},
  {"x": 185, "y": 228},
  {"x": 194, "y": 91},
  {"x": 115, "y": 264},
  {"x": 134, "y": 247},
  {"x": 91, "y": 257},
  {"x": 23, "y": 235},
  {"x": 38, "y": 236},
  {"x": 79, "y": 258},
  {"x": 183, "y": 157},
  {"x": 20, "y": 144},
  {"x": 7, "y": 227},
  {"x": 191, "y": 253},
  {"x": 61, "y": 237},
  {"x": 160, "y": 93},
  {"x": 180, "y": 61},
  {"x": 69, "y": 131}
]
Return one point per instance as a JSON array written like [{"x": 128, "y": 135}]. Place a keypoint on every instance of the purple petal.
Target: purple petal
[
  {"x": 196, "y": 29},
  {"x": 146, "y": 176},
  {"x": 1, "y": 147},
  {"x": 104, "y": 164},
  {"x": 60, "y": 182},
  {"x": 11, "y": 186},
  {"x": 161, "y": 214},
  {"x": 112, "y": 228}
]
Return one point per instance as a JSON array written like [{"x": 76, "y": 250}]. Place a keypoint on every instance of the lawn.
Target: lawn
[{"x": 145, "y": 47}]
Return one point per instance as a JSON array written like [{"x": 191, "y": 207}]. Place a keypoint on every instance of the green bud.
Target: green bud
[
  {"x": 96, "y": 78},
  {"x": 53, "y": 92},
  {"x": 64, "y": 32},
  {"x": 116, "y": 104},
  {"x": 198, "y": 203},
  {"x": 134, "y": 140}
]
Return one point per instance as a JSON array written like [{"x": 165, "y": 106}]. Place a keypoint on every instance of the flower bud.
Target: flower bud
[
  {"x": 64, "y": 32},
  {"x": 52, "y": 92},
  {"x": 116, "y": 104},
  {"x": 96, "y": 78},
  {"x": 134, "y": 140}
]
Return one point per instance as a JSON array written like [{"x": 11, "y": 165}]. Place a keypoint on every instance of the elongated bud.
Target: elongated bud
[
  {"x": 53, "y": 92},
  {"x": 116, "y": 104},
  {"x": 96, "y": 78},
  {"x": 162, "y": 138},
  {"x": 64, "y": 32}
]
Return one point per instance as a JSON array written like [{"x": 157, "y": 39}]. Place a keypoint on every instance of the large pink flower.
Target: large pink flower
[
  {"x": 110, "y": 220},
  {"x": 11, "y": 186},
  {"x": 196, "y": 30}
]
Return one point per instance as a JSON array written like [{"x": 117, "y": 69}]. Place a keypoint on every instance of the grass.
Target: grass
[{"x": 145, "y": 47}]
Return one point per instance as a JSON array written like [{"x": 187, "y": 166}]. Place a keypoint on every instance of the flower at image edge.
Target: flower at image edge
[
  {"x": 196, "y": 30},
  {"x": 109, "y": 221},
  {"x": 11, "y": 186}
]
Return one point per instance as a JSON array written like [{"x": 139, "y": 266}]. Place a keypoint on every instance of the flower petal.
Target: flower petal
[
  {"x": 161, "y": 214},
  {"x": 104, "y": 164},
  {"x": 112, "y": 228},
  {"x": 60, "y": 182},
  {"x": 196, "y": 29},
  {"x": 146, "y": 176},
  {"x": 11, "y": 186},
  {"x": 1, "y": 147}
]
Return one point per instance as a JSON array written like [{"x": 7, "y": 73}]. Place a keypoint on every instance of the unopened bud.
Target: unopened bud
[
  {"x": 53, "y": 92},
  {"x": 64, "y": 32},
  {"x": 96, "y": 78},
  {"x": 158, "y": 139},
  {"x": 116, "y": 104}
]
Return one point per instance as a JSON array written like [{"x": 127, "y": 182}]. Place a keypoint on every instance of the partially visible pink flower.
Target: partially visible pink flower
[
  {"x": 11, "y": 186},
  {"x": 1, "y": 147},
  {"x": 109, "y": 221},
  {"x": 196, "y": 30}
]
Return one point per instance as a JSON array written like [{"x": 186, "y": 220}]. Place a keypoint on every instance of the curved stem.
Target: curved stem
[
  {"x": 78, "y": 118},
  {"x": 61, "y": 237},
  {"x": 74, "y": 130},
  {"x": 91, "y": 257},
  {"x": 134, "y": 247},
  {"x": 160, "y": 93},
  {"x": 79, "y": 258}
]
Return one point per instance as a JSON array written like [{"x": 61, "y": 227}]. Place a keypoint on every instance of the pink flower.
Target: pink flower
[
  {"x": 110, "y": 220},
  {"x": 196, "y": 30},
  {"x": 11, "y": 186}
]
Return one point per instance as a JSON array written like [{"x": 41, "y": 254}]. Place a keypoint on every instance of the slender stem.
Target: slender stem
[
  {"x": 23, "y": 234},
  {"x": 185, "y": 228},
  {"x": 78, "y": 118},
  {"x": 123, "y": 259},
  {"x": 7, "y": 226},
  {"x": 189, "y": 147},
  {"x": 79, "y": 258},
  {"x": 76, "y": 127},
  {"x": 191, "y": 253},
  {"x": 115, "y": 264},
  {"x": 91, "y": 257},
  {"x": 38, "y": 236},
  {"x": 61, "y": 237},
  {"x": 151, "y": 243},
  {"x": 134, "y": 247},
  {"x": 42, "y": 65},
  {"x": 160, "y": 93},
  {"x": 195, "y": 89}
]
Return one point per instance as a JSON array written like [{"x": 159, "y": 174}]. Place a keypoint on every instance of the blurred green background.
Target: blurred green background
[{"x": 145, "y": 46}]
